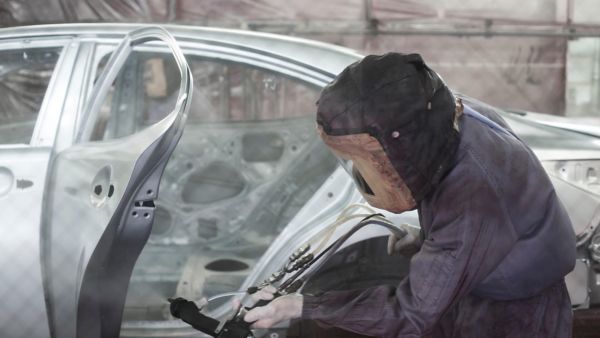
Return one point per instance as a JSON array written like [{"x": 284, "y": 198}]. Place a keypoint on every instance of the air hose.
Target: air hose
[{"x": 298, "y": 264}]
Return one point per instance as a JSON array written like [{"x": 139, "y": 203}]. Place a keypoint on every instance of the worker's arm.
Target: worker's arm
[
  {"x": 469, "y": 235},
  {"x": 467, "y": 240}
]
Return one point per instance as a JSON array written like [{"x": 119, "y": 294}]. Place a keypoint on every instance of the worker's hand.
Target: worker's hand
[
  {"x": 266, "y": 293},
  {"x": 281, "y": 309},
  {"x": 407, "y": 245},
  {"x": 201, "y": 303}
]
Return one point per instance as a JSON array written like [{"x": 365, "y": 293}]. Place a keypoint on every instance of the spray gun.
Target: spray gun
[
  {"x": 236, "y": 327},
  {"x": 297, "y": 266}
]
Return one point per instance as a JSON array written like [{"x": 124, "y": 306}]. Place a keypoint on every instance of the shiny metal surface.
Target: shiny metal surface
[
  {"x": 23, "y": 307},
  {"x": 24, "y": 178},
  {"x": 324, "y": 57},
  {"x": 583, "y": 207},
  {"x": 6, "y": 180},
  {"x": 79, "y": 87},
  {"x": 577, "y": 284},
  {"x": 49, "y": 118},
  {"x": 552, "y": 142}
]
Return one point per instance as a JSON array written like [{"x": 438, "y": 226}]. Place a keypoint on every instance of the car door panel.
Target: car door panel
[
  {"x": 100, "y": 205},
  {"x": 22, "y": 312},
  {"x": 28, "y": 73}
]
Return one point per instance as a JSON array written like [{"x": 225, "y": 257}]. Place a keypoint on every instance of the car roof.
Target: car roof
[{"x": 327, "y": 57}]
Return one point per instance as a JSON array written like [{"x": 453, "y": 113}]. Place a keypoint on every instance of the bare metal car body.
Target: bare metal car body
[{"x": 248, "y": 182}]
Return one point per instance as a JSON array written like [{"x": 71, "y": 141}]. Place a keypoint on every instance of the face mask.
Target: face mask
[{"x": 364, "y": 159}]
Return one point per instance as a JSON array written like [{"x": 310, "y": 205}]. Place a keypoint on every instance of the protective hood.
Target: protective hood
[{"x": 406, "y": 106}]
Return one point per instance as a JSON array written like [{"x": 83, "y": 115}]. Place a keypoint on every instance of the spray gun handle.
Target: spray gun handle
[{"x": 188, "y": 312}]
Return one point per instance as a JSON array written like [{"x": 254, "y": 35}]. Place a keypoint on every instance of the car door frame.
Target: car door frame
[{"x": 101, "y": 287}]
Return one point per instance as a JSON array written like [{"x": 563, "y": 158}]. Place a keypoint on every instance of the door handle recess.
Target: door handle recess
[{"x": 7, "y": 180}]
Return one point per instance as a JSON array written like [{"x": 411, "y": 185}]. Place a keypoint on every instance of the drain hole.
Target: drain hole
[
  {"x": 226, "y": 265},
  {"x": 98, "y": 189},
  {"x": 111, "y": 190}
]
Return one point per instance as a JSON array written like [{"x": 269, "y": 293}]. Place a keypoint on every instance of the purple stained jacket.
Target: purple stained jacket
[{"x": 497, "y": 245}]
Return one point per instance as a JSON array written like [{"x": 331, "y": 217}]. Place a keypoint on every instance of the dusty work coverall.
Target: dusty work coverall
[{"x": 497, "y": 244}]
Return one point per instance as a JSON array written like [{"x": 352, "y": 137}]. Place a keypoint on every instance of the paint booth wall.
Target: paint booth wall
[{"x": 511, "y": 53}]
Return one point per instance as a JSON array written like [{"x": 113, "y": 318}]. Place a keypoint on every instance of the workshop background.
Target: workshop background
[{"x": 537, "y": 55}]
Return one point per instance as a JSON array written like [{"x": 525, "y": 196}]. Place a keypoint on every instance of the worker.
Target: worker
[{"x": 496, "y": 240}]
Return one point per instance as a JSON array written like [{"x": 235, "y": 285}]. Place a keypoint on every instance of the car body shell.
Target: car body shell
[{"x": 62, "y": 117}]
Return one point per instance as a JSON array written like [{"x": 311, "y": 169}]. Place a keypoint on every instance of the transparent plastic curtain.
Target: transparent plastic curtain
[{"x": 519, "y": 72}]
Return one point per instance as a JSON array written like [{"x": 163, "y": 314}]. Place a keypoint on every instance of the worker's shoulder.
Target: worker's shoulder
[
  {"x": 469, "y": 178},
  {"x": 486, "y": 110}
]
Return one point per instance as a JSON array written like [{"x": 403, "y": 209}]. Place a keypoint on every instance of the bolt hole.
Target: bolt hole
[
  {"x": 146, "y": 215},
  {"x": 330, "y": 194},
  {"x": 111, "y": 190},
  {"x": 149, "y": 192},
  {"x": 134, "y": 214},
  {"x": 98, "y": 189}
]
